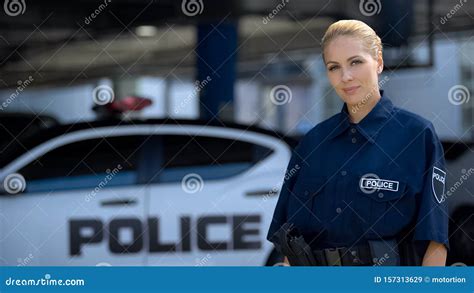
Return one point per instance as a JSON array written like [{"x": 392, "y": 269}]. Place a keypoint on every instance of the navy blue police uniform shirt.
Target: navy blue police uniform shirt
[{"x": 381, "y": 178}]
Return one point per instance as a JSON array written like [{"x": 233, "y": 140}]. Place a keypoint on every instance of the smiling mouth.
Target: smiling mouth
[{"x": 351, "y": 90}]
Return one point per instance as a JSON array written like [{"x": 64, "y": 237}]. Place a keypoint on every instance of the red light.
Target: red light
[{"x": 127, "y": 104}]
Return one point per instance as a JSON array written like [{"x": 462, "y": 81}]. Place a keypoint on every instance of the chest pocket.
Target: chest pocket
[
  {"x": 303, "y": 207},
  {"x": 385, "y": 203}
]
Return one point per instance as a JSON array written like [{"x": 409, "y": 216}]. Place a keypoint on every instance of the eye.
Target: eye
[
  {"x": 356, "y": 61},
  {"x": 332, "y": 68}
]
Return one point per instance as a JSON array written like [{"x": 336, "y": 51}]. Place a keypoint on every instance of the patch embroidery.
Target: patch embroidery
[
  {"x": 378, "y": 184},
  {"x": 438, "y": 180}
]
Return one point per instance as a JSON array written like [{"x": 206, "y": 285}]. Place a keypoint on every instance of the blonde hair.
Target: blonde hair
[{"x": 357, "y": 29}]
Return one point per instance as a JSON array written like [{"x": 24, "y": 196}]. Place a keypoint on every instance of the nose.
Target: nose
[{"x": 346, "y": 75}]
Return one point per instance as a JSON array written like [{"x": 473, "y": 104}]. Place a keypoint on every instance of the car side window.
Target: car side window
[
  {"x": 85, "y": 164},
  {"x": 209, "y": 157}
]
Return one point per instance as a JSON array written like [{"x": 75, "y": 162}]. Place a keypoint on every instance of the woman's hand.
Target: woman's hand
[{"x": 435, "y": 255}]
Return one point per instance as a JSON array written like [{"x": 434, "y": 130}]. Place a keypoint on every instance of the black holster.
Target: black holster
[{"x": 380, "y": 252}]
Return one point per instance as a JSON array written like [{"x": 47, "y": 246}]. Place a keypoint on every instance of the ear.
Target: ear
[{"x": 380, "y": 63}]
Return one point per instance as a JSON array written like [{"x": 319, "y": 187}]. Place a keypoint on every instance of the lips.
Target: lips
[{"x": 351, "y": 90}]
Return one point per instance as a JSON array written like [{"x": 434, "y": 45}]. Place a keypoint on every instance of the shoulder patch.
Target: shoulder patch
[{"x": 438, "y": 180}]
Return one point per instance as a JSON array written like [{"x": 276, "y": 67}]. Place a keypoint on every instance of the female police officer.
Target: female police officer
[{"x": 369, "y": 185}]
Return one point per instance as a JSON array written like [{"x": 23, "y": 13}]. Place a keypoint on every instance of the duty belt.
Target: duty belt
[{"x": 383, "y": 252}]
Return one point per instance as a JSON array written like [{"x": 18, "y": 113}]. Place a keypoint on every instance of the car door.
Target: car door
[
  {"x": 82, "y": 203},
  {"x": 211, "y": 196}
]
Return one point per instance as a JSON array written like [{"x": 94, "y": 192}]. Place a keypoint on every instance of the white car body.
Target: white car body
[{"x": 149, "y": 222}]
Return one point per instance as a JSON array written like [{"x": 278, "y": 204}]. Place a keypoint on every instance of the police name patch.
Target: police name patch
[
  {"x": 378, "y": 184},
  {"x": 438, "y": 184}
]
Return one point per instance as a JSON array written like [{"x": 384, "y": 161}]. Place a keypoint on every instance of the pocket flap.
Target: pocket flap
[{"x": 308, "y": 187}]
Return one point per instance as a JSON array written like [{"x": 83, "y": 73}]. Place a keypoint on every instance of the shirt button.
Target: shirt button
[
  {"x": 306, "y": 192},
  {"x": 338, "y": 210},
  {"x": 381, "y": 195},
  {"x": 343, "y": 173},
  {"x": 354, "y": 140},
  {"x": 353, "y": 130}
]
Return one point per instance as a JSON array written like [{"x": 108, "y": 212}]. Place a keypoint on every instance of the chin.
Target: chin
[{"x": 351, "y": 100}]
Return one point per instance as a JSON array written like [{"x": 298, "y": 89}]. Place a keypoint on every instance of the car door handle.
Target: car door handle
[
  {"x": 118, "y": 202},
  {"x": 262, "y": 192}
]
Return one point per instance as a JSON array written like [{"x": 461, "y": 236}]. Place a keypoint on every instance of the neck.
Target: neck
[{"x": 359, "y": 111}]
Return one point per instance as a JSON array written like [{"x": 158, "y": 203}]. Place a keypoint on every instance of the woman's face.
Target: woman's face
[{"x": 351, "y": 69}]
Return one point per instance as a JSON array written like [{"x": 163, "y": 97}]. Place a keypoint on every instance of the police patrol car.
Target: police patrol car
[
  {"x": 459, "y": 193},
  {"x": 141, "y": 192},
  {"x": 164, "y": 192}
]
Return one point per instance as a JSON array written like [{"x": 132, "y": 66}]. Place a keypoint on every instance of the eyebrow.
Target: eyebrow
[{"x": 348, "y": 59}]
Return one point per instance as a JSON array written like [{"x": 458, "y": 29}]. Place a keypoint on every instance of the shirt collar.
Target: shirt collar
[{"x": 370, "y": 126}]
